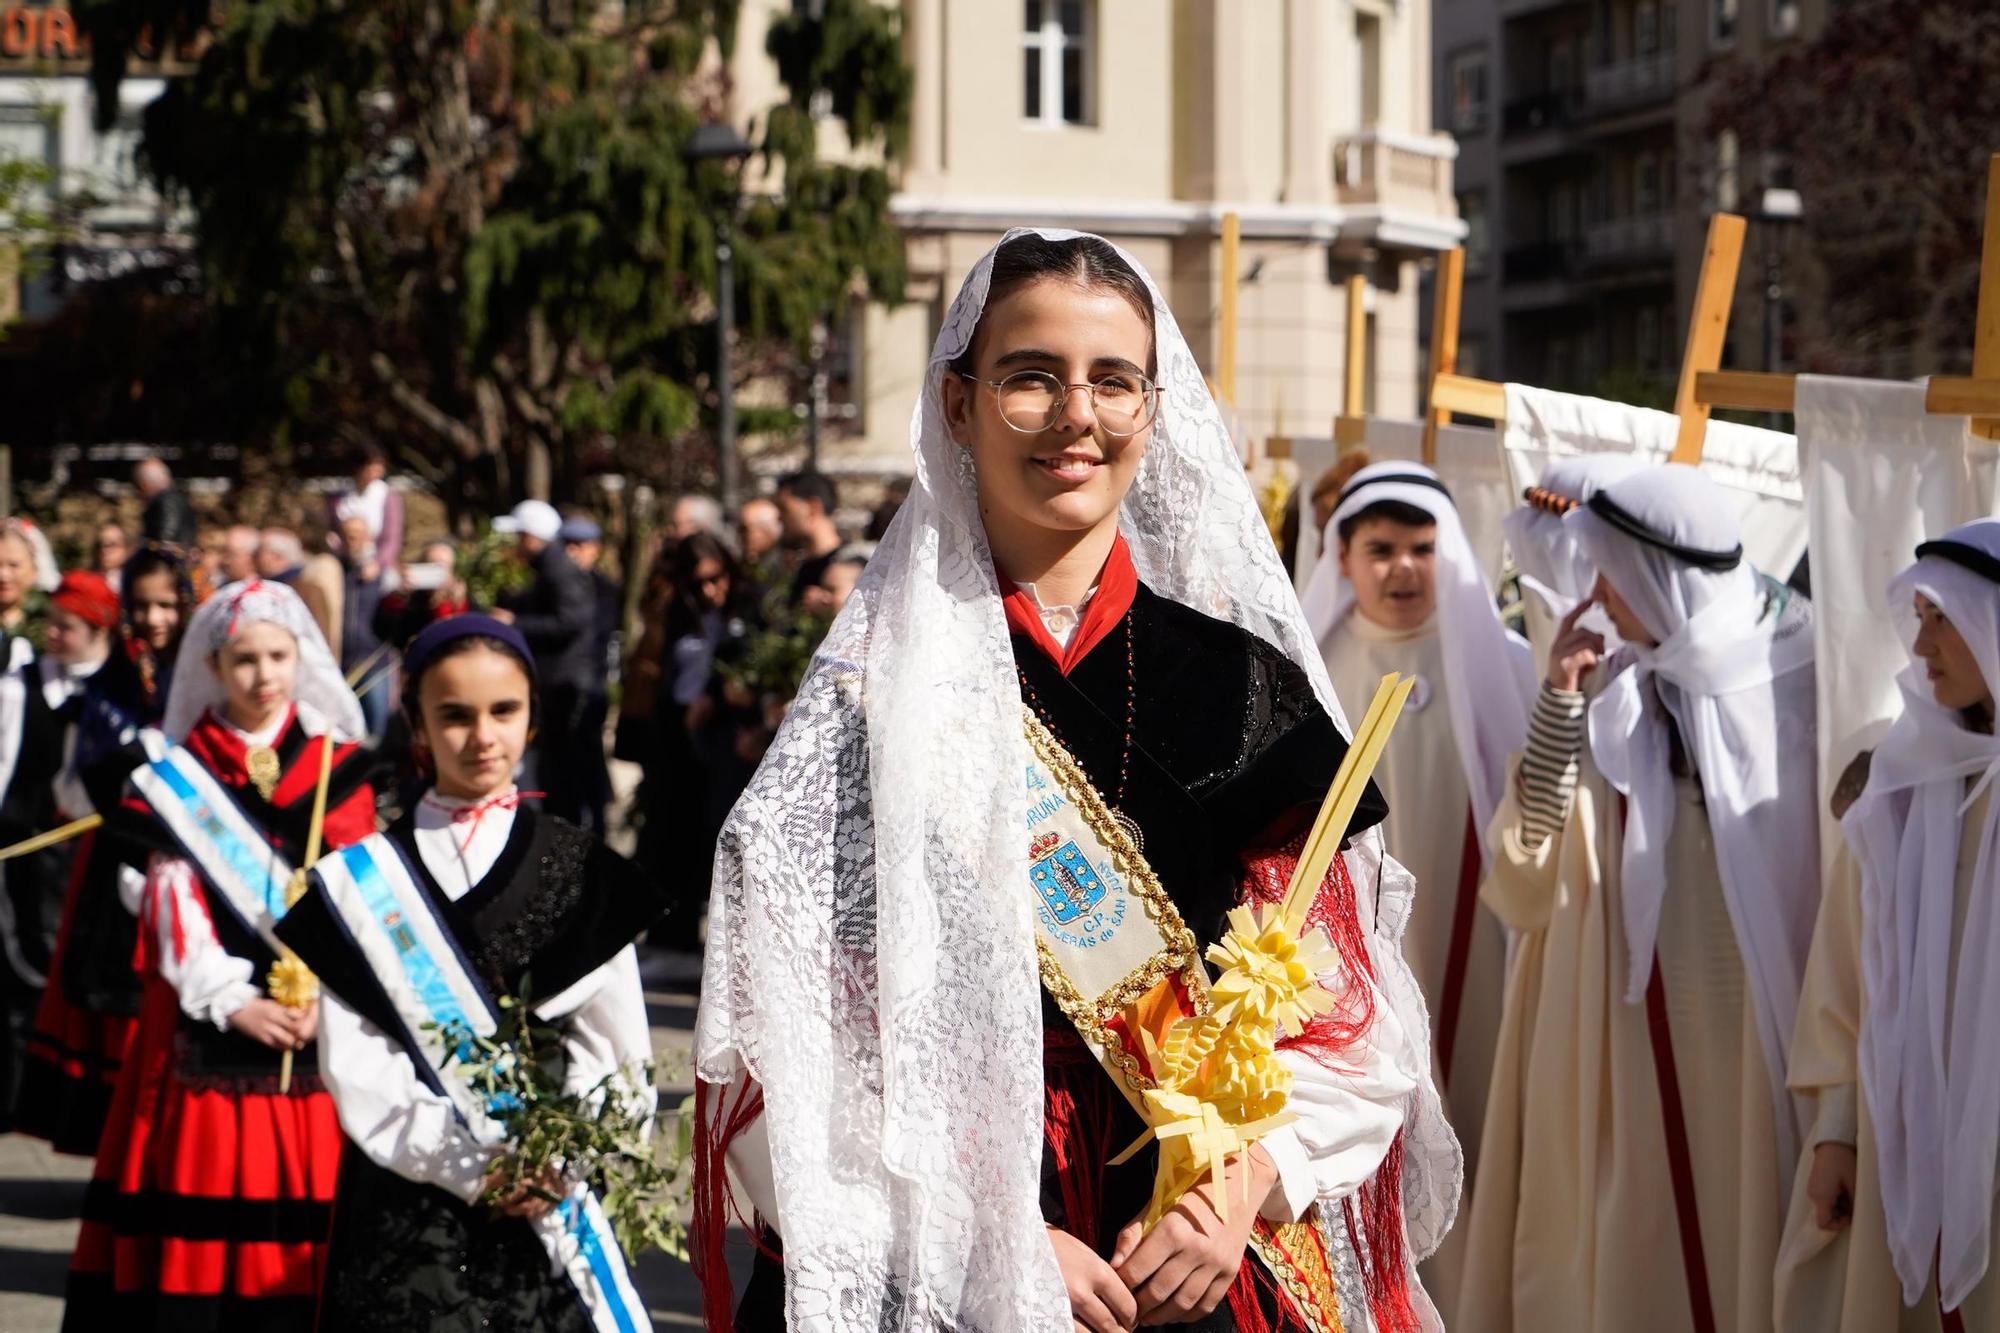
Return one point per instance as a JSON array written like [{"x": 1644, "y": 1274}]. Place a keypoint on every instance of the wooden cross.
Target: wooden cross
[
  {"x": 1976, "y": 396},
  {"x": 1446, "y": 301}
]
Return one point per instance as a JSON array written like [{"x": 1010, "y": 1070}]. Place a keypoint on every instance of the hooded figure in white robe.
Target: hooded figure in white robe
[
  {"x": 1444, "y": 770},
  {"x": 1898, "y": 1036},
  {"x": 1634, "y": 1173}
]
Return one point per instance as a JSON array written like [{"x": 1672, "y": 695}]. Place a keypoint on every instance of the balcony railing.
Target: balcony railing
[
  {"x": 1397, "y": 169},
  {"x": 1630, "y": 83},
  {"x": 1542, "y": 261},
  {"x": 1543, "y": 111},
  {"x": 1646, "y": 236}
]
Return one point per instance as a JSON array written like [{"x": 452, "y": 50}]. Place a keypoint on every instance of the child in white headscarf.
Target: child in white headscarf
[
  {"x": 1892, "y": 1220},
  {"x": 1686, "y": 829},
  {"x": 215, "y": 1173},
  {"x": 1399, "y": 589}
]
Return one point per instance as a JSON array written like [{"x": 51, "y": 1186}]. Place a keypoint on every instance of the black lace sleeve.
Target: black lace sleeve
[
  {"x": 589, "y": 903},
  {"x": 1291, "y": 752}
]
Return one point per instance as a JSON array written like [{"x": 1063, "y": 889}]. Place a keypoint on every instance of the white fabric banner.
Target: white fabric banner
[
  {"x": 1881, "y": 476},
  {"x": 1469, "y": 462},
  {"x": 1759, "y": 468},
  {"x": 1312, "y": 455}
]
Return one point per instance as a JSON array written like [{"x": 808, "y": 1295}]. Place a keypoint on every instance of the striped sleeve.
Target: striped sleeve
[{"x": 1550, "y": 765}]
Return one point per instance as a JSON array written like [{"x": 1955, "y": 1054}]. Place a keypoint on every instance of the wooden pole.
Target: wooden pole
[
  {"x": 1225, "y": 357},
  {"x": 1354, "y": 397},
  {"x": 1986, "y": 329},
  {"x": 1444, "y": 340},
  {"x": 1708, "y": 327}
]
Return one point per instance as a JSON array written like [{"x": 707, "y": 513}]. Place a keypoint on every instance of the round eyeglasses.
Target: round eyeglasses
[{"x": 1031, "y": 400}]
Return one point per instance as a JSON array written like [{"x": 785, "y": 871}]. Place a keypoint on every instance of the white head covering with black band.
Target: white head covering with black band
[
  {"x": 1732, "y": 666},
  {"x": 1555, "y": 573},
  {"x": 1489, "y": 673},
  {"x": 1936, "y": 1108}
]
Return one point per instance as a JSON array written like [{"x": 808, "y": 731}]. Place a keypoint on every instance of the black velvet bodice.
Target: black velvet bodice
[{"x": 1230, "y": 747}]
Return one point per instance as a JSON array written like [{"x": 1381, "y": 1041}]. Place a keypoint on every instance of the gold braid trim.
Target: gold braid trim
[{"x": 1295, "y": 1252}]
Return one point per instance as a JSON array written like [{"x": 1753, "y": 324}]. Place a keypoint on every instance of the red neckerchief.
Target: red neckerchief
[
  {"x": 1117, "y": 585},
  {"x": 222, "y": 749},
  {"x": 474, "y": 813}
]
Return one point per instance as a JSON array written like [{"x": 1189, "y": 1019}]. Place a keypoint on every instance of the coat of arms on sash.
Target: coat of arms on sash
[{"x": 1124, "y": 968}]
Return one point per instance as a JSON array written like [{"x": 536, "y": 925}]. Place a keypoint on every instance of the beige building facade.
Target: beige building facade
[{"x": 1147, "y": 121}]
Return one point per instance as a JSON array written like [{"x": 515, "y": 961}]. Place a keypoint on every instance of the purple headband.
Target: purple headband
[{"x": 472, "y": 625}]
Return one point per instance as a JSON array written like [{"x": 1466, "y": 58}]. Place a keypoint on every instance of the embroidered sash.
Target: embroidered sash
[
  {"x": 246, "y": 874},
  {"x": 395, "y": 925},
  {"x": 1117, "y": 958}
]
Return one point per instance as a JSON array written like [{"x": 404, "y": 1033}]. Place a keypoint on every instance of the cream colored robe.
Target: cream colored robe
[
  {"x": 1573, "y": 1227},
  {"x": 1844, "y": 1280},
  {"x": 1421, "y": 777}
]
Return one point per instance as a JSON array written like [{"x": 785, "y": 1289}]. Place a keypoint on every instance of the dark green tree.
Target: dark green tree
[
  {"x": 469, "y": 229},
  {"x": 1887, "y": 118}
]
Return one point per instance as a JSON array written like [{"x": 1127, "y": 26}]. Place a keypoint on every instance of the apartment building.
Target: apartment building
[
  {"x": 1147, "y": 120},
  {"x": 1586, "y": 176}
]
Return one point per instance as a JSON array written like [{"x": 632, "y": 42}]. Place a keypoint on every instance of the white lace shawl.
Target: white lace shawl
[{"x": 868, "y": 962}]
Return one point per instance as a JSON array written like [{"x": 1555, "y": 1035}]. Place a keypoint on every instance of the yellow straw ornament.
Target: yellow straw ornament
[{"x": 290, "y": 982}]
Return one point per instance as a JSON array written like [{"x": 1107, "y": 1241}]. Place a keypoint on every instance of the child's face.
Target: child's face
[
  {"x": 475, "y": 708},
  {"x": 1393, "y": 567}
]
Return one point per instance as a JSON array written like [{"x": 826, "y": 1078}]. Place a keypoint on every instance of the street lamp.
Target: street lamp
[
  {"x": 1779, "y": 208},
  {"x": 720, "y": 142}
]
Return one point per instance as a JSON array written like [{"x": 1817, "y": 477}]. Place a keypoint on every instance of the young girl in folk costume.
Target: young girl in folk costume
[
  {"x": 82, "y": 1024},
  {"x": 1399, "y": 589},
  {"x": 1893, "y": 1216},
  {"x": 1078, "y": 596},
  {"x": 497, "y": 900},
  {"x": 211, "y": 1201}
]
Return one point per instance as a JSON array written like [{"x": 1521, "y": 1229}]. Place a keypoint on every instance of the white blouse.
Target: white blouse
[
  {"x": 212, "y": 983},
  {"x": 387, "y": 1111}
]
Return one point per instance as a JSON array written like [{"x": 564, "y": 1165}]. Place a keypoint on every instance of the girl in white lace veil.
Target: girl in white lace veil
[
  {"x": 864, "y": 965},
  {"x": 321, "y": 691}
]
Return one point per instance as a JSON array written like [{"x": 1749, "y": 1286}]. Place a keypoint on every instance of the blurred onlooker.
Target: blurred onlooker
[
  {"x": 759, "y": 529},
  {"x": 20, "y": 574},
  {"x": 583, "y": 539},
  {"x": 169, "y": 516},
  {"x": 363, "y": 656},
  {"x": 556, "y": 615},
  {"x": 695, "y": 513},
  {"x": 428, "y": 589},
  {"x": 239, "y": 554},
  {"x": 112, "y": 547},
  {"x": 318, "y": 580},
  {"x": 837, "y": 583},
  {"x": 698, "y": 770},
  {"x": 375, "y": 500},
  {"x": 893, "y": 496},
  {"x": 806, "y": 502}
]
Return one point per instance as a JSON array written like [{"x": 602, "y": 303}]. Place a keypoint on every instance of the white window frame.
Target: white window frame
[
  {"x": 1479, "y": 238},
  {"x": 1476, "y": 114},
  {"x": 1051, "y": 41},
  {"x": 1642, "y": 29},
  {"x": 1721, "y": 12}
]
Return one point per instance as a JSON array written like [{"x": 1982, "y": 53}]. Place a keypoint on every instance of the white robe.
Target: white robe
[
  {"x": 1574, "y": 1225},
  {"x": 1845, "y": 1281},
  {"x": 1429, "y": 819}
]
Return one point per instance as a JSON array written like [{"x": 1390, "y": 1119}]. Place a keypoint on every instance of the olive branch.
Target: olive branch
[{"x": 604, "y": 1134}]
